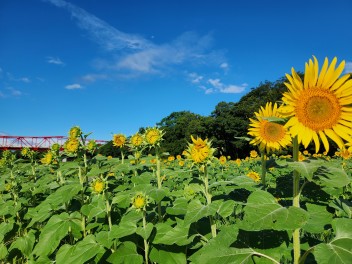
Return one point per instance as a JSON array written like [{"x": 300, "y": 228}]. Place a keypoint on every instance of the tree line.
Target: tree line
[{"x": 227, "y": 122}]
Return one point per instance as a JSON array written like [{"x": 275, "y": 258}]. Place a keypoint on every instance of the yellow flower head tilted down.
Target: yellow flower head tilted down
[
  {"x": 268, "y": 135},
  {"x": 200, "y": 151},
  {"x": 320, "y": 105}
]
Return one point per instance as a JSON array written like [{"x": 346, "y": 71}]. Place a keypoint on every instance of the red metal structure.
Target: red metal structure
[{"x": 34, "y": 143}]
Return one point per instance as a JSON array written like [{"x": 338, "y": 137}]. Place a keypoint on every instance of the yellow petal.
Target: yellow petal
[
  {"x": 324, "y": 140},
  {"x": 322, "y": 72},
  {"x": 316, "y": 141},
  {"x": 333, "y": 75},
  {"x": 331, "y": 134},
  {"x": 339, "y": 82},
  {"x": 329, "y": 73}
]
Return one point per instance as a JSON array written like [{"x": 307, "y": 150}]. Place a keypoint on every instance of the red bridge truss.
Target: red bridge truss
[{"x": 34, "y": 143}]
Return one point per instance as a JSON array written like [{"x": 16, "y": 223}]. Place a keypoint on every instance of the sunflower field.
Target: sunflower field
[{"x": 146, "y": 206}]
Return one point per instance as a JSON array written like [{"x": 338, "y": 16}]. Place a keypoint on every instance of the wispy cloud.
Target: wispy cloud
[
  {"x": 195, "y": 78},
  {"x": 53, "y": 60},
  {"x": 73, "y": 86},
  {"x": 90, "y": 78},
  {"x": 348, "y": 67},
  {"x": 107, "y": 36},
  {"x": 136, "y": 54}
]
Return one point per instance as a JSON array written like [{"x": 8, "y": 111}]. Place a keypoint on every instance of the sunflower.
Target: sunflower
[
  {"x": 254, "y": 176},
  {"x": 200, "y": 151},
  {"x": 222, "y": 160},
  {"x": 48, "y": 158},
  {"x": 98, "y": 186},
  {"x": 91, "y": 146},
  {"x": 318, "y": 106},
  {"x": 153, "y": 136},
  {"x": 75, "y": 132},
  {"x": 268, "y": 135},
  {"x": 136, "y": 140},
  {"x": 119, "y": 140},
  {"x": 71, "y": 145},
  {"x": 139, "y": 201},
  {"x": 253, "y": 154}
]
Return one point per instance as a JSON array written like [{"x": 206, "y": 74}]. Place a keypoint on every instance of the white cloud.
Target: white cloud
[
  {"x": 74, "y": 86},
  {"x": 348, "y": 67},
  {"x": 56, "y": 61},
  {"x": 195, "y": 78},
  {"x": 138, "y": 54},
  {"x": 2, "y": 95},
  {"x": 93, "y": 77},
  {"x": 24, "y": 79},
  {"x": 107, "y": 36},
  {"x": 230, "y": 88},
  {"x": 225, "y": 66}
]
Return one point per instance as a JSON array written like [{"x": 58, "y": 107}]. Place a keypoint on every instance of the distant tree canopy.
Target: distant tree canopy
[{"x": 228, "y": 121}]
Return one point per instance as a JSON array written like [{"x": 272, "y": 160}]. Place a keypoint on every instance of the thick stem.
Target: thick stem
[
  {"x": 108, "y": 210},
  {"x": 263, "y": 160},
  {"x": 296, "y": 194},
  {"x": 146, "y": 245},
  {"x": 208, "y": 197},
  {"x": 122, "y": 156},
  {"x": 158, "y": 177}
]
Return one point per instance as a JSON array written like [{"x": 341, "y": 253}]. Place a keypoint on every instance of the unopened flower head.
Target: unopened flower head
[
  {"x": 75, "y": 132},
  {"x": 48, "y": 158},
  {"x": 139, "y": 201},
  {"x": 98, "y": 186}
]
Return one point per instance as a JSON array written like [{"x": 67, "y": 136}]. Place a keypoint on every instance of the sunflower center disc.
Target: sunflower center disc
[
  {"x": 319, "y": 109},
  {"x": 272, "y": 132}
]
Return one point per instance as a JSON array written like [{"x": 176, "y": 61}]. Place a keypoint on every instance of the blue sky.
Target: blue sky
[{"x": 115, "y": 66}]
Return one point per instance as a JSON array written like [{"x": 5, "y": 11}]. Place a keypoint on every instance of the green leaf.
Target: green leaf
[
  {"x": 51, "y": 235},
  {"x": 104, "y": 238},
  {"x": 219, "y": 255},
  {"x": 226, "y": 236},
  {"x": 196, "y": 210},
  {"x": 167, "y": 257},
  {"x": 158, "y": 194},
  {"x": 3, "y": 251},
  {"x": 95, "y": 209},
  {"x": 80, "y": 252},
  {"x": 40, "y": 215},
  {"x": 263, "y": 212},
  {"x": 145, "y": 232},
  {"x": 318, "y": 218},
  {"x": 332, "y": 177},
  {"x": 306, "y": 168},
  {"x": 24, "y": 243},
  {"x": 5, "y": 228},
  {"x": 168, "y": 235},
  {"x": 226, "y": 208},
  {"x": 179, "y": 207},
  {"x": 126, "y": 253},
  {"x": 339, "y": 250},
  {"x": 127, "y": 225},
  {"x": 122, "y": 199}
]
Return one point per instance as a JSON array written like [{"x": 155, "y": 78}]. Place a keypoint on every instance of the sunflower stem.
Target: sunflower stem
[
  {"x": 208, "y": 197},
  {"x": 296, "y": 194},
  {"x": 263, "y": 161},
  {"x": 158, "y": 172},
  {"x": 122, "y": 156},
  {"x": 146, "y": 245},
  {"x": 108, "y": 209}
]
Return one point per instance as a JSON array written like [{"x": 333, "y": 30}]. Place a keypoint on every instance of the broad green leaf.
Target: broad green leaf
[
  {"x": 167, "y": 257},
  {"x": 306, "y": 168},
  {"x": 127, "y": 225},
  {"x": 158, "y": 194},
  {"x": 5, "y": 227},
  {"x": 144, "y": 178},
  {"x": 104, "y": 238},
  {"x": 80, "y": 252},
  {"x": 122, "y": 199},
  {"x": 226, "y": 208},
  {"x": 196, "y": 210},
  {"x": 126, "y": 253},
  {"x": 145, "y": 232},
  {"x": 169, "y": 235},
  {"x": 332, "y": 177},
  {"x": 339, "y": 250},
  {"x": 95, "y": 209},
  {"x": 51, "y": 235},
  {"x": 220, "y": 255},
  {"x": 24, "y": 243},
  {"x": 3, "y": 251},
  {"x": 41, "y": 215},
  {"x": 179, "y": 207},
  {"x": 226, "y": 236},
  {"x": 263, "y": 212},
  {"x": 318, "y": 218}
]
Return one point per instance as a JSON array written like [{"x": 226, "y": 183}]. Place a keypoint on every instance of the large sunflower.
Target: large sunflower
[
  {"x": 319, "y": 106},
  {"x": 268, "y": 135}
]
